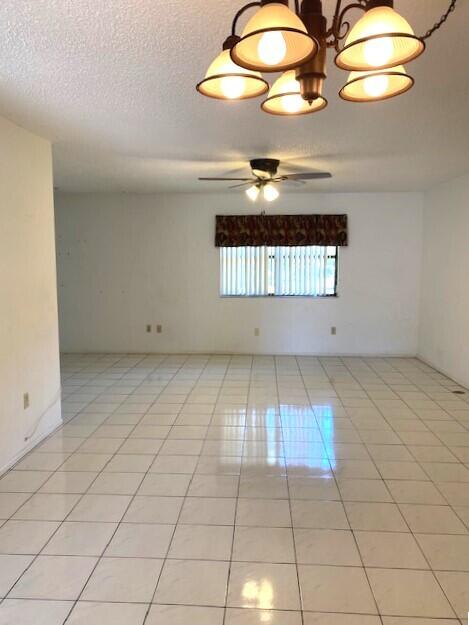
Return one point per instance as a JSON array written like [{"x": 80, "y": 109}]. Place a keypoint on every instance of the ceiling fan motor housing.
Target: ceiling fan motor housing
[{"x": 267, "y": 165}]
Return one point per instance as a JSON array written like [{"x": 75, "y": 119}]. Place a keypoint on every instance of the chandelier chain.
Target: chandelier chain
[{"x": 441, "y": 21}]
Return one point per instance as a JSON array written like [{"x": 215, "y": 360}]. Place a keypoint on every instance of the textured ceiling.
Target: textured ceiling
[{"x": 111, "y": 83}]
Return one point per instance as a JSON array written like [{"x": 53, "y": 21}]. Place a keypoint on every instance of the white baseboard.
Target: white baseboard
[
  {"x": 443, "y": 371},
  {"x": 32, "y": 442},
  {"x": 215, "y": 352}
]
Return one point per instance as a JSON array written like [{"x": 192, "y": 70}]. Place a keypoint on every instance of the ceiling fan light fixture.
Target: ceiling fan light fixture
[
  {"x": 225, "y": 80},
  {"x": 270, "y": 193},
  {"x": 273, "y": 40},
  {"x": 285, "y": 98},
  {"x": 253, "y": 192},
  {"x": 260, "y": 173},
  {"x": 376, "y": 86},
  {"x": 265, "y": 178},
  {"x": 379, "y": 40}
]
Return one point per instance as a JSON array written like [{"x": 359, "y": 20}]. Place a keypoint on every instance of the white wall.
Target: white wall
[
  {"x": 29, "y": 360},
  {"x": 128, "y": 260},
  {"x": 444, "y": 328}
]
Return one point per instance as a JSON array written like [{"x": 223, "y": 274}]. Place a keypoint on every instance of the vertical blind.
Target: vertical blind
[{"x": 278, "y": 270}]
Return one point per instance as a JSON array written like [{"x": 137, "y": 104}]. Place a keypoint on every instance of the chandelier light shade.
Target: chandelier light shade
[
  {"x": 294, "y": 43},
  {"x": 285, "y": 98},
  {"x": 274, "y": 39},
  {"x": 380, "y": 39},
  {"x": 377, "y": 85},
  {"x": 225, "y": 80}
]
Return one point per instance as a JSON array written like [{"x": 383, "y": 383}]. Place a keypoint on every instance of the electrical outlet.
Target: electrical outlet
[
  {"x": 25, "y": 401},
  {"x": 333, "y": 330},
  {"x": 148, "y": 328},
  {"x": 159, "y": 328},
  {"x": 257, "y": 331}
]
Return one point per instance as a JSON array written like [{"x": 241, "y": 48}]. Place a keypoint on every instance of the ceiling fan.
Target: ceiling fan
[{"x": 265, "y": 178}]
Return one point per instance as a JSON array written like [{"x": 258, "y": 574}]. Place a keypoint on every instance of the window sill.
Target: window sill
[{"x": 278, "y": 296}]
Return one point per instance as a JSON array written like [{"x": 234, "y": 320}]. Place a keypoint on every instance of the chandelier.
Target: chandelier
[{"x": 277, "y": 39}]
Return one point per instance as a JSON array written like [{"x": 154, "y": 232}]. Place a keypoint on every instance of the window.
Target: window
[{"x": 309, "y": 270}]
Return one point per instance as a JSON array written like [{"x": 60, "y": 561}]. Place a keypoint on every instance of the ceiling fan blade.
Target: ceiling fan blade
[
  {"x": 291, "y": 181},
  {"x": 317, "y": 175},
  {"x": 243, "y": 184},
  {"x": 244, "y": 179}
]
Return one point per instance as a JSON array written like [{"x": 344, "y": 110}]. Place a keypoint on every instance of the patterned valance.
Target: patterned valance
[{"x": 254, "y": 230}]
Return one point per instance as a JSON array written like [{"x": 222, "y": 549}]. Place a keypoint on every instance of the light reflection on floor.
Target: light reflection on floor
[
  {"x": 242, "y": 490},
  {"x": 297, "y": 437}
]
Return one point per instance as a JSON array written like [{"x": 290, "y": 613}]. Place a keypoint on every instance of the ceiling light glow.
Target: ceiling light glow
[
  {"x": 270, "y": 193},
  {"x": 273, "y": 40},
  {"x": 232, "y": 87},
  {"x": 378, "y": 52},
  {"x": 292, "y": 103},
  {"x": 376, "y": 86},
  {"x": 380, "y": 39},
  {"x": 284, "y": 98},
  {"x": 272, "y": 48},
  {"x": 252, "y": 193},
  {"x": 373, "y": 86},
  {"x": 226, "y": 81}
]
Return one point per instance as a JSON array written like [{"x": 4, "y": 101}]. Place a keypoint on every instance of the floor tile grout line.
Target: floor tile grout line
[
  {"x": 295, "y": 554},
  {"x": 174, "y": 530},
  {"x": 60, "y": 523},
  {"x": 416, "y": 459},
  {"x": 91, "y": 401},
  {"x": 281, "y": 424},
  {"x": 377, "y": 468},
  {"x": 99, "y": 559},
  {"x": 418, "y": 547},
  {"x": 57, "y": 529},
  {"x": 42, "y": 441},
  {"x": 228, "y": 578},
  {"x": 370, "y": 587}
]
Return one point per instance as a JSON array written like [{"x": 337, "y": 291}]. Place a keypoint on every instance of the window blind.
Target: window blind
[
  {"x": 244, "y": 271},
  {"x": 309, "y": 270}
]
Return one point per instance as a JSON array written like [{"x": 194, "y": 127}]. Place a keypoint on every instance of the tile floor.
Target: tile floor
[{"x": 237, "y": 490}]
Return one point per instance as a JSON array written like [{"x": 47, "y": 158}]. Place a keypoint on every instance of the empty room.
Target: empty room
[{"x": 234, "y": 312}]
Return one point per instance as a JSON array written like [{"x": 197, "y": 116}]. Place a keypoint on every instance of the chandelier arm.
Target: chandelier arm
[
  {"x": 441, "y": 21},
  {"x": 250, "y": 5},
  {"x": 340, "y": 28},
  {"x": 330, "y": 31},
  {"x": 335, "y": 18}
]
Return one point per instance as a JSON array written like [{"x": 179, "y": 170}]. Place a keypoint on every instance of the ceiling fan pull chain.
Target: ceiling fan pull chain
[{"x": 441, "y": 21}]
